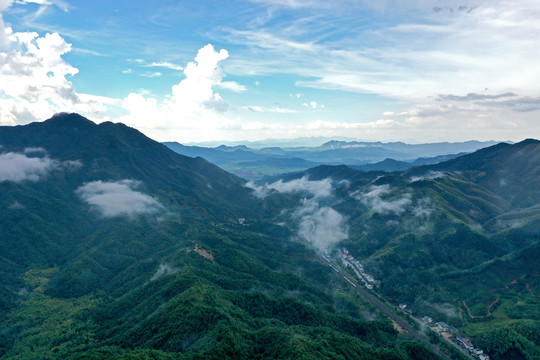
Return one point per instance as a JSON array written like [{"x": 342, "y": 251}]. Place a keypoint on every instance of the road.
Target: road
[{"x": 379, "y": 305}]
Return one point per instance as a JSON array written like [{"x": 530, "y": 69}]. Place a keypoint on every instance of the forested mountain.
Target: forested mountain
[
  {"x": 113, "y": 246},
  {"x": 457, "y": 241}
]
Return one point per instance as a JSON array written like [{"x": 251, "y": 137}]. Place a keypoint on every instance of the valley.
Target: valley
[{"x": 114, "y": 246}]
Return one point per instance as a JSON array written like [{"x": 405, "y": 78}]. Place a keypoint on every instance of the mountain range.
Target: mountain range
[
  {"x": 115, "y": 246},
  {"x": 255, "y": 163},
  {"x": 457, "y": 241}
]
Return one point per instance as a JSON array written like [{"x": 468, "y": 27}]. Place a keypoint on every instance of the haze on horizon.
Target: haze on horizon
[{"x": 413, "y": 71}]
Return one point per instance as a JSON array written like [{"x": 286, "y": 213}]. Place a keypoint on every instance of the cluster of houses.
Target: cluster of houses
[
  {"x": 447, "y": 331},
  {"x": 349, "y": 261},
  {"x": 443, "y": 328},
  {"x": 467, "y": 344}
]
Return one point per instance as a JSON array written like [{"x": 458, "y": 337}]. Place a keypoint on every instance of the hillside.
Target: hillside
[
  {"x": 113, "y": 246},
  {"x": 457, "y": 241}
]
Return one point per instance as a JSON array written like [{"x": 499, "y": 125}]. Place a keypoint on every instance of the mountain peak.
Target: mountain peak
[
  {"x": 69, "y": 119},
  {"x": 529, "y": 141}
]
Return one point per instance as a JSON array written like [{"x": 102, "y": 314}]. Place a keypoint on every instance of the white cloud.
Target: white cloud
[
  {"x": 164, "y": 270},
  {"x": 423, "y": 208},
  {"x": 317, "y": 188},
  {"x": 192, "y": 110},
  {"x": 165, "y": 64},
  {"x": 118, "y": 198},
  {"x": 458, "y": 51},
  {"x": 232, "y": 85},
  {"x": 461, "y": 49},
  {"x": 34, "y": 76},
  {"x": 374, "y": 199},
  {"x": 34, "y": 150},
  {"x": 321, "y": 226},
  {"x": 4, "y": 37},
  {"x": 379, "y": 124},
  {"x": 312, "y": 104},
  {"x": 17, "y": 167},
  {"x": 151, "y": 74},
  {"x": 274, "y": 109},
  {"x": 429, "y": 175}
]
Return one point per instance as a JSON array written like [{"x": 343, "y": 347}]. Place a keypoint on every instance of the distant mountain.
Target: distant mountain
[
  {"x": 115, "y": 247},
  {"x": 220, "y": 156},
  {"x": 419, "y": 150},
  {"x": 391, "y": 165},
  {"x": 254, "y": 163},
  {"x": 295, "y": 142}
]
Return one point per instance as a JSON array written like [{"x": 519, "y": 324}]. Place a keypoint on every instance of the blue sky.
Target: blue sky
[{"x": 415, "y": 71}]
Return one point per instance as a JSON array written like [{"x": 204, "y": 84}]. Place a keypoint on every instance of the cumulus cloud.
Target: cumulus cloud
[
  {"x": 18, "y": 167},
  {"x": 311, "y": 104},
  {"x": 318, "y": 189},
  {"x": 34, "y": 76},
  {"x": 193, "y": 108},
  {"x": 117, "y": 198},
  {"x": 321, "y": 226},
  {"x": 374, "y": 198}
]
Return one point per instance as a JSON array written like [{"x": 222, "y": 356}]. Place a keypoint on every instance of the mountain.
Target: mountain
[
  {"x": 254, "y": 163},
  {"x": 503, "y": 169},
  {"x": 114, "y": 246},
  {"x": 391, "y": 165},
  {"x": 428, "y": 150},
  {"x": 219, "y": 156},
  {"x": 457, "y": 241}
]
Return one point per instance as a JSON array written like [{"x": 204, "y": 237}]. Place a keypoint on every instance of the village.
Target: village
[
  {"x": 349, "y": 261},
  {"x": 446, "y": 331}
]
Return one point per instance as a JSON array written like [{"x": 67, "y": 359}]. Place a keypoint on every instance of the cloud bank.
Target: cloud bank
[
  {"x": 17, "y": 167},
  {"x": 374, "y": 199},
  {"x": 318, "y": 189},
  {"x": 321, "y": 226},
  {"x": 117, "y": 198},
  {"x": 318, "y": 224}
]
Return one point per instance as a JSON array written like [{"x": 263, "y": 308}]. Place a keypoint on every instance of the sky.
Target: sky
[{"x": 192, "y": 71}]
